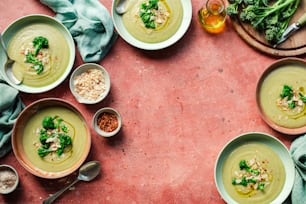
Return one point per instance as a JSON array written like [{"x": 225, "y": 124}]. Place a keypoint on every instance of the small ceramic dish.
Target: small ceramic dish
[
  {"x": 59, "y": 39},
  {"x": 107, "y": 122},
  {"x": 274, "y": 107},
  {"x": 89, "y": 83},
  {"x": 263, "y": 149},
  {"x": 129, "y": 38},
  {"x": 9, "y": 179}
]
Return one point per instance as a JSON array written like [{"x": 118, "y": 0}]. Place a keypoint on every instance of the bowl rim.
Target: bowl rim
[
  {"x": 80, "y": 69},
  {"x": 48, "y": 174},
  {"x": 266, "y": 138},
  {"x": 101, "y": 132},
  {"x": 277, "y": 64},
  {"x": 50, "y": 20},
  {"x": 11, "y": 168},
  {"x": 186, "y": 21}
]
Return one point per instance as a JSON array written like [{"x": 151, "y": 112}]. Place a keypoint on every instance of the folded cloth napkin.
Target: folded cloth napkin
[
  {"x": 89, "y": 23},
  {"x": 298, "y": 154},
  {"x": 10, "y": 107}
]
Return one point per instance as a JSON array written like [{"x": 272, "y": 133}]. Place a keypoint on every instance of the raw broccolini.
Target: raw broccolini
[{"x": 270, "y": 17}]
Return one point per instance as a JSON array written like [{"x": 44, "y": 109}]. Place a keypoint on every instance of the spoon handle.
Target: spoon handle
[{"x": 52, "y": 198}]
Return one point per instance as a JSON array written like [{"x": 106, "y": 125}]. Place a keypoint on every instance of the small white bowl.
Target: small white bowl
[
  {"x": 96, "y": 118},
  {"x": 99, "y": 95},
  {"x": 9, "y": 179}
]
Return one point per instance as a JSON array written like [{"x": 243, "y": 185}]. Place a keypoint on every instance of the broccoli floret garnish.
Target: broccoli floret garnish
[
  {"x": 271, "y": 18},
  {"x": 53, "y": 134},
  {"x": 37, "y": 65},
  {"x": 48, "y": 122},
  {"x": 39, "y": 43},
  {"x": 42, "y": 152}
]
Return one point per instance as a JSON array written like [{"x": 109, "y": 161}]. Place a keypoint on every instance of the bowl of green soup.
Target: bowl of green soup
[
  {"x": 43, "y": 50},
  {"x": 153, "y": 25},
  {"x": 254, "y": 168},
  {"x": 51, "y": 138},
  {"x": 281, "y": 96}
]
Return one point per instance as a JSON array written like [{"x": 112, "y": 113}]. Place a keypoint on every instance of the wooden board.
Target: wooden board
[{"x": 293, "y": 46}]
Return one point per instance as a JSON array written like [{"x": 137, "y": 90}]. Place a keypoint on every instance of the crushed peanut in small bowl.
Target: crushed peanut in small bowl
[
  {"x": 107, "y": 122},
  {"x": 89, "y": 83}
]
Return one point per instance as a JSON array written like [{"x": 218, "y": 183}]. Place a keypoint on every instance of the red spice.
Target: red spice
[{"x": 107, "y": 122}]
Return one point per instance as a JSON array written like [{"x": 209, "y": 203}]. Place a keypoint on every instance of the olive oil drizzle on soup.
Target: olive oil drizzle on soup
[
  {"x": 274, "y": 170},
  {"x": 133, "y": 23}
]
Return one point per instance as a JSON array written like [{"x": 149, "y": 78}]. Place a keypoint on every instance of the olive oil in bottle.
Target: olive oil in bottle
[{"x": 212, "y": 16}]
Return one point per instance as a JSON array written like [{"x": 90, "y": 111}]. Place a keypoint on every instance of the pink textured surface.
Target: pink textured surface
[{"x": 179, "y": 106}]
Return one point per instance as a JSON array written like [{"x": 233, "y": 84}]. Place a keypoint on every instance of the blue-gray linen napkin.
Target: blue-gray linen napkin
[
  {"x": 298, "y": 154},
  {"x": 10, "y": 107},
  {"x": 89, "y": 23}
]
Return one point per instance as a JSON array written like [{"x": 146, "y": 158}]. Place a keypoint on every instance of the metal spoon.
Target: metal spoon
[
  {"x": 87, "y": 172},
  {"x": 9, "y": 65},
  {"x": 120, "y": 6}
]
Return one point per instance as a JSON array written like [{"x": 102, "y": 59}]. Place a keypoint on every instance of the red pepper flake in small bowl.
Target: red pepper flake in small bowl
[{"x": 107, "y": 122}]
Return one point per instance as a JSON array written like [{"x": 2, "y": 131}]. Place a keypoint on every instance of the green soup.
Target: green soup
[
  {"x": 77, "y": 132},
  {"x": 273, "y": 165},
  {"x": 292, "y": 75},
  {"x": 136, "y": 28},
  {"x": 58, "y": 54}
]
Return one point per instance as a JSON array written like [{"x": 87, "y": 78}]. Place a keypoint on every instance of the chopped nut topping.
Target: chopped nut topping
[{"x": 90, "y": 84}]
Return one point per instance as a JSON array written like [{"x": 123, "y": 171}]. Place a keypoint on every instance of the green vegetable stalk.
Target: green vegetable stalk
[{"x": 267, "y": 16}]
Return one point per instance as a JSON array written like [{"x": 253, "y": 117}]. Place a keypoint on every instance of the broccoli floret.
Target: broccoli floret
[
  {"x": 243, "y": 165},
  {"x": 39, "y": 43},
  {"x": 272, "y": 19},
  {"x": 65, "y": 141},
  {"x": 42, "y": 152},
  {"x": 232, "y": 9},
  {"x": 48, "y": 122},
  {"x": 37, "y": 65},
  {"x": 302, "y": 97},
  {"x": 272, "y": 33},
  {"x": 261, "y": 186},
  {"x": 244, "y": 182},
  {"x": 287, "y": 92}
]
